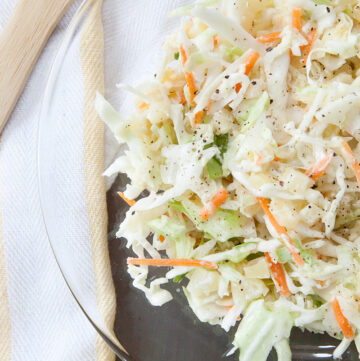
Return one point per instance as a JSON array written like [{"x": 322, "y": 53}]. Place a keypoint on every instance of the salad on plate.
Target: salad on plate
[{"x": 247, "y": 142}]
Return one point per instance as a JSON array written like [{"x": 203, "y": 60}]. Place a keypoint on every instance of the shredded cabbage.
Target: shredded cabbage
[
  {"x": 262, "y": 329},
  {"x": 247, "y": 142}
]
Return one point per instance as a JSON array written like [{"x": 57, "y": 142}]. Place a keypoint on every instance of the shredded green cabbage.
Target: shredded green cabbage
[
  {"x": 247, "y": 142},
  {"x": 261, "y": 329}
]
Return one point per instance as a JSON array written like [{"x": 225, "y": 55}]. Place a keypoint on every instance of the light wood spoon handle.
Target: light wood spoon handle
[{"x": 21, "y": 43}]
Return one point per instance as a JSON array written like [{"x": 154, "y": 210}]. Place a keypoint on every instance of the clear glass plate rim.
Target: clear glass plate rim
[{"x": 46, "y": 100}]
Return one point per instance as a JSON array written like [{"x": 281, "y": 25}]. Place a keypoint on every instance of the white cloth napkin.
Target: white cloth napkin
[{"x": 39, "y": 319}]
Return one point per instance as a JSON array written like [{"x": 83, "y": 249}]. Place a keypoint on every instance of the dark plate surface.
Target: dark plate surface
[{"x": 172, "y": 332}]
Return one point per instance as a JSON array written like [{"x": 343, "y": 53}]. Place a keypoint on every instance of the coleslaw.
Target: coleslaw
[{"x": 247, "y": 141}]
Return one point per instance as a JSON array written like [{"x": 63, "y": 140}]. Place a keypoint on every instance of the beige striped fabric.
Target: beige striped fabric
[
  {"x": 12, "y": 326},
  {"x": 5, "y": 340},
  {"x": 92, "y": 62}
]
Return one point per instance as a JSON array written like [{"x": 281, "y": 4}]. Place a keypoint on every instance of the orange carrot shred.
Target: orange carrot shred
[
  {"x": 188, "y": 76},
  {"x": 208, "y": 106},
  {"x": 183, "y": 55},
  {"x": 182, "y": 99},
  {"x": 279, "y": 275},
  {"x": 238, "y": 87},
  {"x": 216, "y": 201},
  {"x": 191, "y": 84},
  {"x": 161, "y": 238},
  {"x": 351, "y": 157},
  {"x": 215, "y": 40},
  {"x": 281, "y": 231},
  {"x": 309, "y": 45},
  {"x": 341, "y": 319},
  {"x": 206, "y": 213},
  {"x": 268, "y": 38},
  {"x": 130, "y": 202},
  {"x": 319, "y": 168},
  {"x": 220, "y": 197},
  {"x": 265, "y": 206},
  {"x": 172, "y": 262},
  {"x": 144, "y": 105},
  {"x": 296, "y": 19},
  {"x": 250, "y": 61},
  {"x": 198, "y": 116}
]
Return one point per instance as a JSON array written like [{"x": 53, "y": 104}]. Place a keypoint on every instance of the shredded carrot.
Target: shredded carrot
[
  {"x": 265, "y": 206},
  {"x": 172, "y": 262},
  {"x": 309, "y": 45},
  {"x": 144, "y": 105},
  {"x": 268, "y": 38},
  {"x": 188, "y": 76},
  {"x": 319, "y": 168},
  {"x": 198, "y": 116},
  {"x": 220, "y": 197},
  {"x": 249, "y": 62},
  {"x": 191, "y": 84},
  {"x": 341, "y": 319},
  {"x": 351, "y": 157},
  {"x": 296, "y": 19},
  {"x": 277, "y": 159},
  {"x": 130, "y": 202},
  {"x": 281, "y": 231},
  {"x": 238, "y": 87},
  {"x": 161, "y": 238},
  {"x": 215, "y": 40},
  {"x": 207, "y": 212},
  {"x": 208, "y": 106},
  {"x": 279, "y": 275},
  {"x": 183, "y": 55},
  {"x": 182, "y": 97},
  {"x": 217, "y": 200}
]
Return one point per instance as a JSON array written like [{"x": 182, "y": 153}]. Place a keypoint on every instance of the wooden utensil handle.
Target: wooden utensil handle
[{"x": 21, "y": 43}]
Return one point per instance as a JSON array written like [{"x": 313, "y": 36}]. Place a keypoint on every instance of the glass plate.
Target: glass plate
[{"x": 168, "y": 333}]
